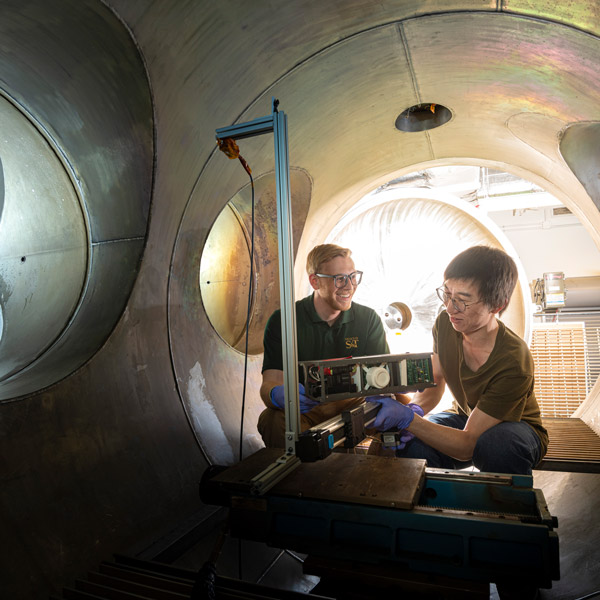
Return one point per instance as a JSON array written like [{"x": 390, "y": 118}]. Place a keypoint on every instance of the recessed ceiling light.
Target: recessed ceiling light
[{"x": 422, "y": 117}]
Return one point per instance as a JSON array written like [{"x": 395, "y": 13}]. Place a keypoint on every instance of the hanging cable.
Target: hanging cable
[
  {"x": 248, "y": 315},
  {"x": 229, "y": 147}
]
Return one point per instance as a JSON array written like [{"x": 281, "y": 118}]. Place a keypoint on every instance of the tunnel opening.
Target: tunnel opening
[{"x": 404, "y": 232}]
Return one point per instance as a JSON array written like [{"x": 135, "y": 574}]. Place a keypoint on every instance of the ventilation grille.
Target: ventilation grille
[{"x": 567, "y": 362}]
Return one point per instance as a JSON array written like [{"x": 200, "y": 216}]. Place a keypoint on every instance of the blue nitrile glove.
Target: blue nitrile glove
[
  {"x": 393, "y": 414},
  {"x": 396, "y": 440},
  {"x": 278, "y": 399},
  {"x": 405, "y": 437},
  {"x": 416, "y": 408}
]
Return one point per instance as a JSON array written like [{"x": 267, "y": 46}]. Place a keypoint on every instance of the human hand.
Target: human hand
[
  {"x": 393, "y": 414},
  {"x": 405, "y": 437},
  {"x": 417, "y": 409},
  {"x": 396, "y": 440},
  {"x": 278, "y": 399},
  {"x": 306, "y": 403}
]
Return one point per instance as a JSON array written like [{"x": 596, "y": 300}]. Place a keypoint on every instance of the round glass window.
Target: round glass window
[{"x": 230, "y": 296}]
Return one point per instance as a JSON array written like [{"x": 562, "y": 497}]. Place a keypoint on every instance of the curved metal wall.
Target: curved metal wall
[
  {"x": 342, "y": 118},
  {"x": 43, "y": 244},
  {"x": 78, "y": 177},
  {"x": 209, "y": 370},
  {"x": 514, "y": 75}
]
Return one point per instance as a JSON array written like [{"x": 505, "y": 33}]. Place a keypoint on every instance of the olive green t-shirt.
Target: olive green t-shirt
[
  {"x": 502, "y": 387},
  {"x": 358, "y": 331}
]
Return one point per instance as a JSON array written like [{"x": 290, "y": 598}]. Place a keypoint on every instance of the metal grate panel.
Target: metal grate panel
[
  {"x": 566, "y": 351},
  {"x": 573, "y": 447}
]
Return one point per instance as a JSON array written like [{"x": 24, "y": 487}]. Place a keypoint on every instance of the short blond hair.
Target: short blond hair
[{"x": 322, "y": 254}]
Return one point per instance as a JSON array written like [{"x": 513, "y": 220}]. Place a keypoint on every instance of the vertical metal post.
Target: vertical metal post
[
  {"x": 286, "y": 282},
  {"x": 277, "y": 123}
]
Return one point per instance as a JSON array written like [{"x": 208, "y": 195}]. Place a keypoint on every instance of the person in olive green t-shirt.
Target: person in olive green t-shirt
[
  {"x": 495, "y": 421},
  {"x": 328, "y": 325},
  {"x": 502, "y": 387}
]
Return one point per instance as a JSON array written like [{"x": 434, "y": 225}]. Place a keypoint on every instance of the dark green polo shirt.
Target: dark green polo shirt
[{"x": 357, "y": 332}]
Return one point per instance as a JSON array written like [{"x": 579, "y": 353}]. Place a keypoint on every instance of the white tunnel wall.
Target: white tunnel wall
[{"x": 110, "y": 457}]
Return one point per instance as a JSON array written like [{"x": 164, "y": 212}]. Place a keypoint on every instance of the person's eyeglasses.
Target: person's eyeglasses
[
  {"x": 341, "y": 281},
  {"x": 459, "y": 305}
]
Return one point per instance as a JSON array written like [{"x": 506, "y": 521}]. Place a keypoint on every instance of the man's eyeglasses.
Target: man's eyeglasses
[
  {"x": 340, "y": 281},
  {"x": 459, "y": 305}
]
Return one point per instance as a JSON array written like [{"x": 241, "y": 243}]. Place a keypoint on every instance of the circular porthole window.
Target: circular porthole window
[
  {"x": 423, "y": 117},
  {"x": 225, "y": 277},
  {"x": 229, "y": 296},
  {"x": 43, "y": 241}
]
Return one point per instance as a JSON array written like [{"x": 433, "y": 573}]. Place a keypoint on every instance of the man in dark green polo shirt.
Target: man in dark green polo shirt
[{"x": 329, "y": 325}]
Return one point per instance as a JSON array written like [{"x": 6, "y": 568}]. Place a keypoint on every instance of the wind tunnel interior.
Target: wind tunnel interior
[{"x": 124, "y": 232}]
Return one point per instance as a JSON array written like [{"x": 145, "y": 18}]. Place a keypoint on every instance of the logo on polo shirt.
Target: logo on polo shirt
[{"x": 351, "y": 342}]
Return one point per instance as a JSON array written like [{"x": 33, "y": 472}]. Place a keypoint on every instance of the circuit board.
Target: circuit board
[{"x": 336, "y": 379}]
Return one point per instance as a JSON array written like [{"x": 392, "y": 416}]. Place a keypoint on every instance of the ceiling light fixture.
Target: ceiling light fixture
[{"x": 422, "y": 117}]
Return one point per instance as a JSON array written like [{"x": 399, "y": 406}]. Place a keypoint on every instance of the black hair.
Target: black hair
[{"x": 492, "y": 270}]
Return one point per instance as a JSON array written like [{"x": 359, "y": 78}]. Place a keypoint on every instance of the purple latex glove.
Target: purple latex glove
[
  {"x": 416, "y": 408},
  {"x": 396, "y": 440},
  {"x": 405, "y": 437},
  {"x": 278, "y": 399},
  {"x": 393, "y": 414}
]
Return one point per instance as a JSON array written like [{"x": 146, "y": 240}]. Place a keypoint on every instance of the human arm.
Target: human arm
[
  {"x": 404, "y": 398},
  {"x": 499, "y": 393},
  {"x": 457, "y": 443},
  {"x": 273, "y": 394},
  {"x": 392, "y": 413},
  {"x": 500, "y": 397},
  {"x": 270, "y": 379}
]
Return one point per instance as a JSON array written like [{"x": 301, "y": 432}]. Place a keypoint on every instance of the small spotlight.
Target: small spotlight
[{"x": 422, "y": 117}]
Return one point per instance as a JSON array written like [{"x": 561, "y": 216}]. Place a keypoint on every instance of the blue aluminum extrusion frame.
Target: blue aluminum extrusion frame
[{"x": 277, "y": 123}]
